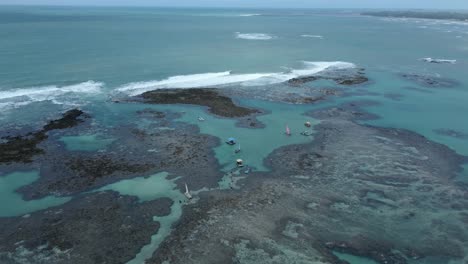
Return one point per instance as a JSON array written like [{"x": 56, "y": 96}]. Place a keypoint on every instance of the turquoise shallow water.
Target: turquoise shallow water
[
  {"x": 13, "y": 204},
  {"x": 354, "y": 259},
  {"x": 256, "y": 144},
  {"x": 85, "y": 142},
  {"x": 150, "y": 188}
]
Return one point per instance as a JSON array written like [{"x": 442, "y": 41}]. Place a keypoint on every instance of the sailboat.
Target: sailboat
[
  {"x": 288, "y": 131},
  {"x": 187, "y": 193},
  {"x": 238, "y": 149}
]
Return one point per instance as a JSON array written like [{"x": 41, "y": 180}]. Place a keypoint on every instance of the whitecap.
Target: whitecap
[
  {"x": 227, "y": 78},
  {"x": 15, "y": 98},
  {"x": 431, "y": 60},
  {"x": 249, "y": 15},
  {"x": 254, "y": 36},
  {"x": 312, "y": 36}
]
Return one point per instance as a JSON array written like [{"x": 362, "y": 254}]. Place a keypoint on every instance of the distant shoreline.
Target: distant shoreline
[{"x": 458, "y": 16}]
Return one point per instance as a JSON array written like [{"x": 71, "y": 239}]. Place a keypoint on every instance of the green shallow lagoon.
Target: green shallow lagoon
[
  {"x": 12, "y": 204},
  {"x": 256, "y": 144},
  {"x": 88, "y": 143},
  {"x": 354, "y": 259},
  {"x": 151, "y": 188}
]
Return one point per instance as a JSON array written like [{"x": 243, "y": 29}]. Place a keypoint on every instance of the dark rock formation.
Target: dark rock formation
[
  {"x": 369, "y": 249},
  {"x": 23, "y": 148},
  {"x": 69, "y": 119},
  {"x": 179, "y": 149},
  {"x": 430, "y": 81},
  {"x": 95, "y": 228},
  {"x": 451, "y": 133},
  {"x": 217, "y": 104},
  {"x": 301, "y": 80},
  {"x": 339, "y": 77}
]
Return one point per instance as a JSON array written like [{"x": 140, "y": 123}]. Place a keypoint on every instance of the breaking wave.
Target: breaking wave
[
  {"x": 228, "y": 78},
  {"x": 249, "y": 15},
  {"x": 431, "y": 60},
  {"x": 254, "y": 36},
  {"x": 312, "y": 36},
  {"x": 71, "y": 94}
]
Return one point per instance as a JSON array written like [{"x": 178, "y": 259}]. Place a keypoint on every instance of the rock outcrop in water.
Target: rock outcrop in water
[
  {"x": 23, "y": 148},
  {"x": 217, "y": 103},
  {"x": 430, "y": 81},
  {"x": 451, "y": 133},
  {"x": 167, "y": 145},
  {"x": 85, "y": 230},
  {"x": 353, "y": 77}
]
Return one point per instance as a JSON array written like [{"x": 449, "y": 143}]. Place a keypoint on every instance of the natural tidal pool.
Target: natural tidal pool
[
  {"x": 353, "y": 259},
  {"x": 151, "y": 188},
  {"x": 255, "y": 143},
  {"x": 12, "y": 203},
  {"x": 89, "y": 143}
]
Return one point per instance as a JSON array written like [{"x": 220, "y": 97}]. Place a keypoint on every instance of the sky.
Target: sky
[{"x": 429, "y": 4}]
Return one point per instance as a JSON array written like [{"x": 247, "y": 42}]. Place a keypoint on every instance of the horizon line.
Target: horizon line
[{"x": 237, "y": 7}]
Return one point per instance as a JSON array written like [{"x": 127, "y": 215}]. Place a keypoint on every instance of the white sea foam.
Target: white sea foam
[
  {"x": 228, "y": 78},
  {"x": 15, "y": 98},
  {"x": 431, "y": 60},
  {"x": 254, "y": 36},
  {"x": 312, "y": 36},
  {"x": 249, "y": 15}
]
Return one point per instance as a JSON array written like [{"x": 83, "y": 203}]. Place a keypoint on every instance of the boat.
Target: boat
[
  {"x": 201, "y": 119},
  {"x": 288, "y": 131},
  {"x": 231, "y": 141},
  {"x": 187, "y": 193}
]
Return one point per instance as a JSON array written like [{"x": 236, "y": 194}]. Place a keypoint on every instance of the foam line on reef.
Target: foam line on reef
[{"x": 229, "y": 78}]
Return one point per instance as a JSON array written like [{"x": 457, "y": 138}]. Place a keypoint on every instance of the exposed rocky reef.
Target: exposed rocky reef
[
  {"x": 379, "y": 193},
  {"x": 94, "y": 228},
  {"x": 166, "y": 145},
  {"x": 22, "y": 148},
  {"x": 341, "y": 77},
  {"x": 283, "y": 93},
  {"x": 429, "y": 81},
  {"x": 217, "y": 103},
  {"x": 451, "y": 133}
]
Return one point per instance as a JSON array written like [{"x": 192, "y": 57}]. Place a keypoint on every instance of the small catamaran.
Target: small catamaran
[
  {"x": 288, "y": 131},
  {"x": 187, "y": 193}
]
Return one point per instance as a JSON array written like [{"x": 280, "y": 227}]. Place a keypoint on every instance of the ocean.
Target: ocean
[{"x": 53, "y": 59}]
